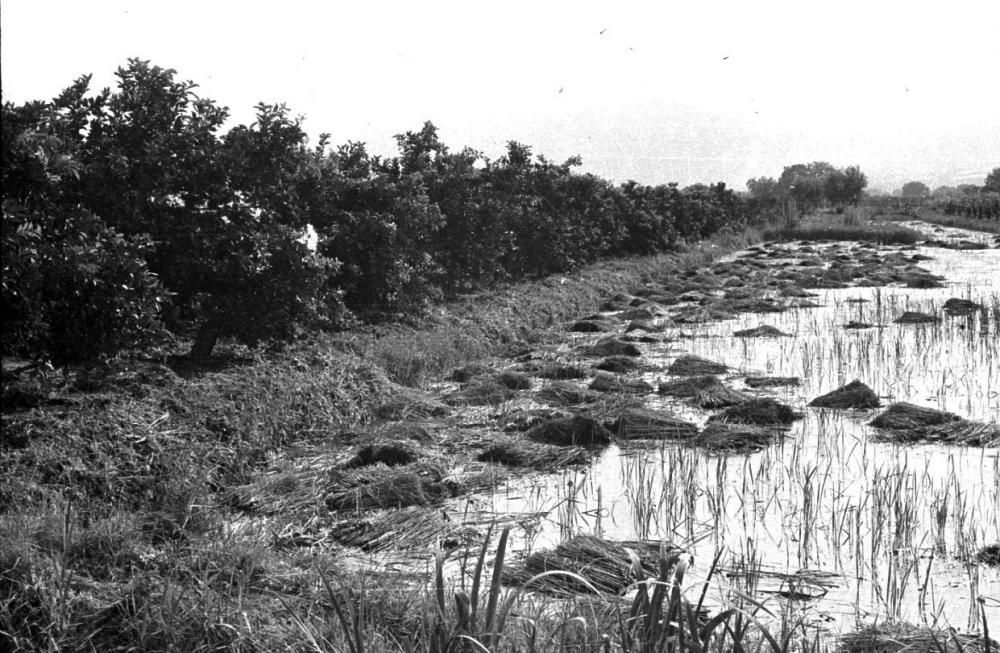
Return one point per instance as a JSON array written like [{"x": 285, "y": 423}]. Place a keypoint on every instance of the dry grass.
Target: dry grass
[
  {"x": 900, "y": 637},
  {"x": 604, "y": 565}
]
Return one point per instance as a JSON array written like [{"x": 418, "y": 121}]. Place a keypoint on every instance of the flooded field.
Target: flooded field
[
  {"x": 815, "y": 519},
  {"x": 837, "y": 523}
]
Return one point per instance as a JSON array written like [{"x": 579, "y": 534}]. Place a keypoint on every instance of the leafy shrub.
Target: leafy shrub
[{"x": 73, "y": 289}]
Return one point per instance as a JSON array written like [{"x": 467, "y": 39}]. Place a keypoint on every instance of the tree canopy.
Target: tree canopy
[
  {"x": 133, "y": 211},
  {"x": 992, "y": 182},
  {"x": 915, "y": 190}
]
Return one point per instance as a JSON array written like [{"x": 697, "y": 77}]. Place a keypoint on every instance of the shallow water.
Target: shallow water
[{"x": 881, "y": 530}]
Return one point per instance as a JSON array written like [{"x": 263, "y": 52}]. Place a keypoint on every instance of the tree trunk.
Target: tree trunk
[{"x": 205, "y": 341}]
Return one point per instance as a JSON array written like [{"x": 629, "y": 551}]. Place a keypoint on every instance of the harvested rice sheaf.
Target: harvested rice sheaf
[
  {"x": 735, "y": 438},
  {"x": 642, "y": 423},
  {"x": 752, "y": 305},
  {"x": 691, "y": 365},
  {"x": 577, "y": 430},
  {"x": 764, "y": 331},
  {"x": 612, "y": 347},
  {"x": 903, "y": 415},
  {"x": 524, "y": 419},
  {"x": 565, "y": 393},
  {"x": 390, "y": 453},
  {"x": 590, "y": 326},
  {"x": 764, "y": 411},
  {"x": 418, "y": 431},
  {"x": 771, "y": 381},
  {"x": 701, "y": 315},
  {"x": 384, "y": 488},
  {"x": 619, "y": 302},
  {"x": 406, "y": 403},
  {"x": 618, "y": 364},
  {"x": 467, "y": 372},
  {"x": 903, "y": 422},
  {"x": 514, "y": 380},
  {"x": 518, "y": 452},
  {"x": 704, "y": 391},
  {"x": 989, "y": 555},
  {"x": 924, "y": 280},
  {"x": 902, "y": 637},
  {"x": 915, "y": 317},
  {"x": 687, "y": 387},
  {"x": 481, "y": 393},
  {"x": 400, "y": 530},
  {"x": 647, "y": 312},
  {"x": 650, "y": 326},
  {"x": 605, "y": 382},
  {"x": 853, "y": 395},
  {"x": 554, "y": 370},
  {"x": 608, "y": 566},
  {"x": 957, "y": 306}
]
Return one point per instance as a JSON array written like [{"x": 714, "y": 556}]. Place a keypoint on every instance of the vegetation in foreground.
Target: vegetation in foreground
[
  {"x": 125, "y": 522},
  {"x": 130, "y": 219},
  {"x": 114, "y": 534}
]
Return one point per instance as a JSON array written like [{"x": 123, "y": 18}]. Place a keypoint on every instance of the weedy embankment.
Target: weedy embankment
[{"x": 119, "y": 503}]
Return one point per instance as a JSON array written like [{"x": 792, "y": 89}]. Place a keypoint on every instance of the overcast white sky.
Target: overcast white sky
[{"x": 653, "y": 91}]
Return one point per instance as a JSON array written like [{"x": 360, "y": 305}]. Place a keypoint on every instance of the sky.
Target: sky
[{"x": 695, "y": 91}]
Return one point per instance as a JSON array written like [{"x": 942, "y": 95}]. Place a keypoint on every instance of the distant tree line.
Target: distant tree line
[
  {"x": 129, "y": 213},
  {"x": 969, "y": 200},
  {"x": 810, "y": 185}
]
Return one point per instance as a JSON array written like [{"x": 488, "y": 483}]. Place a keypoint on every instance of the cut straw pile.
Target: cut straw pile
[
  {"x": 577, "y": 430},
  {"x": 642, "y": 423},
  {"x": 385, "y": 487},
  {"x": 314, "y": 485},
  {"x": 605, "y": 382},
  {"x": 853, "y": 395},
  {"x": 535, "y": 455},
  {"x": 690, "y": 365},
  {"x": 771, "y": 381},
  {"x": 410, "y": 528},
  {"x": 764, "y": 411},
  {"x": 704, "y": 391},
  {"x": 565, "y": 393},
  {"x": 734, "y": 438},
  {"x": 903, "y": 422},
  {"x": 605, "y": 564},
  {"x": 900, "y": 637}
]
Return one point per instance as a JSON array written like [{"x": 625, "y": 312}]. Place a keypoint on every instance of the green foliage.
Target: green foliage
[
  {"x": 764, "y": 188},
  {"x": 915, "y": 190},
  {"x": 845, "y": 186},
  {"x": 222, "y": 220},
  {"x": 219, "y": 221},
  {"x": 992, "y": 182},
  {"x": 806, "y": 182},
  {"x": 69, "y": 275},
  {"x": 66, "y": 273}
]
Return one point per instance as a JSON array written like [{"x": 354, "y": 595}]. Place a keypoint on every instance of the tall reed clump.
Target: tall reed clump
[{"x": 659, "y": 617}]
